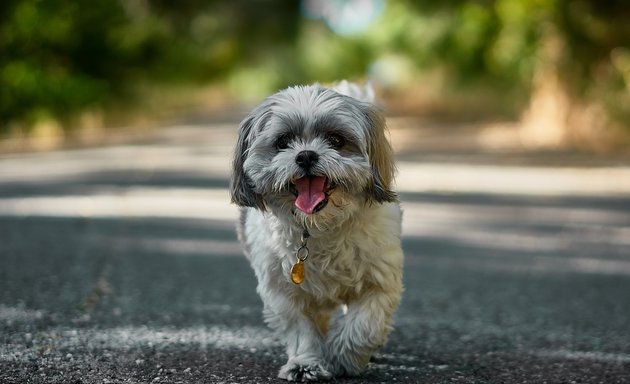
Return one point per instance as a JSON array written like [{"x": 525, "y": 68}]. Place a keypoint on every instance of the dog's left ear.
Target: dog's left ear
[
  {"x": 241, "y": 190},
  {"x": 381, "y": 158}
]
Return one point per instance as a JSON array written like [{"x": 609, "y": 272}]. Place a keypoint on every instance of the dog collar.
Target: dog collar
[{"x": 297, "y": 270}]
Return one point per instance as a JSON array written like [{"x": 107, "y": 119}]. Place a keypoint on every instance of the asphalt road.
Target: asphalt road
[{"x": 119, "y": 264}]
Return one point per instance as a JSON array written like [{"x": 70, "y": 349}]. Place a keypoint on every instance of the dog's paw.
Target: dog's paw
[
  {"x": 297, "y": 369},
  {"x": 348, "y": 364}
]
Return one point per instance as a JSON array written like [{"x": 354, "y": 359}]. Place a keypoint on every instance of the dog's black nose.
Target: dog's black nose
[{"x": 306, "y": 159}]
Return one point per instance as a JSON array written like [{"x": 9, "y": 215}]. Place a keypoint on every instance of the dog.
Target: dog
[{"x": 313, "y": 174}]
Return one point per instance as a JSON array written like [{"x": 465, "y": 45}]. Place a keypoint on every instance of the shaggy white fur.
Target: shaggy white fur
[{"x": 355, "y": 257}]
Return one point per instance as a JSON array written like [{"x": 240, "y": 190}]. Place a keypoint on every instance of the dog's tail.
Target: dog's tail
[{"x": 363, "y": 92}]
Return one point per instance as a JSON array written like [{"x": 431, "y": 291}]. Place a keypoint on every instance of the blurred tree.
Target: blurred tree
[
  {"x": 571, "y": 56},
  {"x": 58, "y": 57},
  {"x": 566, "y": 63}
]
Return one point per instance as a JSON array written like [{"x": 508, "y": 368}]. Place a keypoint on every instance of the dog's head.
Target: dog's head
[{"x": 314, "y": 154}]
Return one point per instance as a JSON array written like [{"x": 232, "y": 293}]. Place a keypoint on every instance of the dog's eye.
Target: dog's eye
[
  {"x": 336, "y": 140},
  {"x": 283, "y": 141}
]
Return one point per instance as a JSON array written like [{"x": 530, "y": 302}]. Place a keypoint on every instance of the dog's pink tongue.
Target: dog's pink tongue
[{"x": 310, "y": 191}]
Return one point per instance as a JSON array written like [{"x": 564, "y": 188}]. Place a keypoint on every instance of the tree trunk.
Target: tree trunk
[{"x": 544, "y": 124}]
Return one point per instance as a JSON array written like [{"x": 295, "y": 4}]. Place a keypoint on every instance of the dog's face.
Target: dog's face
[{"x": 312, "y": 154}]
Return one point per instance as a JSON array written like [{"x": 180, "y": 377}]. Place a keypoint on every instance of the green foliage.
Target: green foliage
[
  {"x": 58, "y": 57},
  {"x": 505, "y": 42}
]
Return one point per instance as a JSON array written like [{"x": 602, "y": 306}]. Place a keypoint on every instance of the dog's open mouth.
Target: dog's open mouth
[{"x": 311, "y": 193}]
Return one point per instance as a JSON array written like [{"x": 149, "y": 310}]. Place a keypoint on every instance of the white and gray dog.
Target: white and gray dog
[{"x": 313, "y": 173}]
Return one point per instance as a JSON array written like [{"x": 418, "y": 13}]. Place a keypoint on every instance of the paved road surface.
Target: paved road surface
[{"x": 119, "y": 264}]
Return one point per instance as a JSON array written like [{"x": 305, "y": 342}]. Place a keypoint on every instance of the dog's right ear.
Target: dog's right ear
[{"x": 241, "y": 190}]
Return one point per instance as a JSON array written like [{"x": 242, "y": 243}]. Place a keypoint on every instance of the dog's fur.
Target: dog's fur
[{"x": 342, "y": 312}]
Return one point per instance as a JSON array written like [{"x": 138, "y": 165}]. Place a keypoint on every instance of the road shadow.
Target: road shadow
[{"x": 498, "y": 289}]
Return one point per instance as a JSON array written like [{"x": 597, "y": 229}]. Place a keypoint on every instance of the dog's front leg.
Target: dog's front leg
[
  {"x": 353, "y": 337},
  {"x": 304, "y": 341}
]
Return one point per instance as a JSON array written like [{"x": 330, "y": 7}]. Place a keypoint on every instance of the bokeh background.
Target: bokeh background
[{"x": 560, "y": 69}]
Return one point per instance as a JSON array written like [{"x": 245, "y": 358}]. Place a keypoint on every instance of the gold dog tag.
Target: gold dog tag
[{"x": 297, "y": 272}]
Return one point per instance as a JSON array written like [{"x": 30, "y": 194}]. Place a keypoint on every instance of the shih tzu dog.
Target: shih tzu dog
[{"x": 321, "y": 226}]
